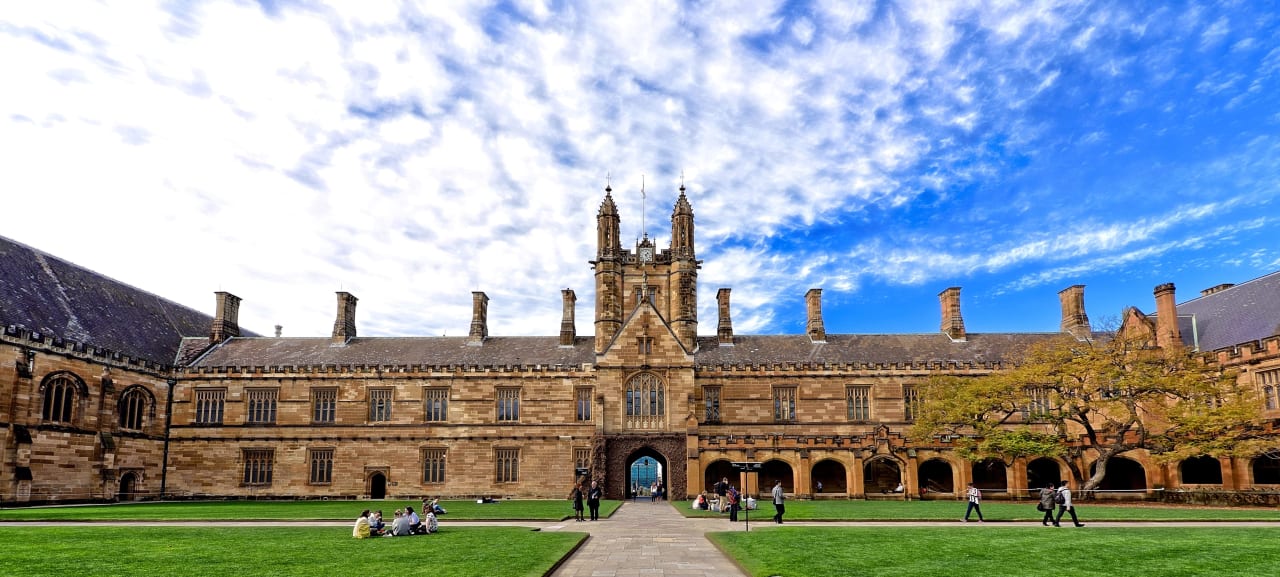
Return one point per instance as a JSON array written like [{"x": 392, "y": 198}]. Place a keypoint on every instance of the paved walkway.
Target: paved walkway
[{"x": 649, "y": 539}]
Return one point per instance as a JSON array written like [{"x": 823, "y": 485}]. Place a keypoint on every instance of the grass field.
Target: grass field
[
  {"x": 303, "y": 551},
  {"x": 838, "y": 510},
  {"x": 514, "y": 510},
  {"x": 992, "y": 550}
]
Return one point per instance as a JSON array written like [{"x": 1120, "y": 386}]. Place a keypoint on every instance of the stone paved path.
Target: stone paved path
[{"x": 649, "y": 539}]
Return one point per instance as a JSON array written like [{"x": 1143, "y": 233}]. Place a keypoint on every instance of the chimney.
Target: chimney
[
  {"x": 1167, "y": 333},
  {"x": 813, "y": 309},
  {"x": 568, "y": 330},
  {"x": 1074, "y": 320},
  {"x": 226, "y": 323},
  {"x": 1219, "y": 288},
  {"x": 344, "y": 328},
  {"x": 479, "y": 318},
  {"x": 724, "y": 331},
  {"x": 952, "y": 322}
]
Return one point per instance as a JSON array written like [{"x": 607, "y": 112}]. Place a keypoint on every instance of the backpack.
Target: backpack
[{"x": 1059, "y": 498}]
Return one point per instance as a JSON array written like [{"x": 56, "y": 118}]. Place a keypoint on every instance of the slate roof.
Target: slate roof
[
  {"x": 375, "y": 351},
  {"x": 46, "y": 294},
  {"x": 979, "y": 349},
  {"x": 1244, "y": 313}
]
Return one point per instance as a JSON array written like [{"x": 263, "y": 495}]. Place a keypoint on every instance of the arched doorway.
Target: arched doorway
[
  {"x": 128, "y": 487},
  {"x": 1043, "y": 472},
  {"x": 936, "y": 476},
  {"x": 1266, "y": 470},
  {"x": 989, "y": 475},
  {"x": 881, "y": 475},
  {"x": 716, "y": 471},
  {"x": 776, "y": 470},
  {"x": 1202, "y": 470},
  {"x": 1122, "y": 475},
  {"x": 377, "y": 485},
  {"x": 831, "y": 474},
  {"x": 644, "y": 467}
]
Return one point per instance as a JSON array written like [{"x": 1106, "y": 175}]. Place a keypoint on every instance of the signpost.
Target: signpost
[{"x": 747, "y": 467}]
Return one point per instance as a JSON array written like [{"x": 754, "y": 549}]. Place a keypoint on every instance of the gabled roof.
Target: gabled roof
[
  {"x": 1233, "y": 316},
  {"x": 395, "y": 351},
  {"x": 46, "y": 294}
]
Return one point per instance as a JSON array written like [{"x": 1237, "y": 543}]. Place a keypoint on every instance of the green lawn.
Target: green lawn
[
  {"x": 841, "y": 510},
  {"x": 304, "y": 551},
  {"x": 992, "y": 550},
  {"x": 512, "y": 510}
]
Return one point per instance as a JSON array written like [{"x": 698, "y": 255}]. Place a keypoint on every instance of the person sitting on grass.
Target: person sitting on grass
[
  {"x": 400, "y": 527},
  {"x": 361, "y": 530},
  {"x": 700, "y": 503},
  {"x": 376, "y": 526},
  {"x": 415, "y": 522},
  {"x": 431, "y": 525},
  {"x": 436, "y": 508}
]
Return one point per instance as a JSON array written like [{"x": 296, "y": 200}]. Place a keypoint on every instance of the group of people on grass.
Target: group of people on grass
[{"x": 406, "y": 522}]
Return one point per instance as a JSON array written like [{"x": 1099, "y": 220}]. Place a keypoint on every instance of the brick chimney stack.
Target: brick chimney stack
[
  {"x": 952, "y": 322},
  {"x": 226, "y": 323},
  {"x": 344, "y": 327},
  {"x": 479, "y": 319},
  {"x": 1074, "y": 320},
  {"x": 724, "y": 330},
  {"x": 568, "y": 330},
  {"x": 813, "y": 309},
  {"x": 1167, "y": 333}
]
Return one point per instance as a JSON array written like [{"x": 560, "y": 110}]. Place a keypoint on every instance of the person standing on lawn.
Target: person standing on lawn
[
  {"x": 975, "y": 503},
  {"x": 777, "y": 501},
  {"x": 1064, "y": 505}
]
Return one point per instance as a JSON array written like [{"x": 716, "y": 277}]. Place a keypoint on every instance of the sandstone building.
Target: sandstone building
[{"x": 109, "y": 392}]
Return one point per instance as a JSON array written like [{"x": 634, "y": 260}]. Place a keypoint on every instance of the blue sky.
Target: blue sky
[{"x": 411, "y": 154}]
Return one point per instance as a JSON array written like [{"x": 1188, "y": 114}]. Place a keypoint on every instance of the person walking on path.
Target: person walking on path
[
  {"x": 577, "y": 495},
  {"x": 593, "y": 500},
  {"x": 975, "y": 503},
  {"x": 1047, "y": 504},
  {"x": 1063, "y": 499},
  {"x": 777, "y": 501}
]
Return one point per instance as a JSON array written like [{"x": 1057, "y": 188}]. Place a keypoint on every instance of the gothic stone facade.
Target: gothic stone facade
[{"x": 108, "y": 400}]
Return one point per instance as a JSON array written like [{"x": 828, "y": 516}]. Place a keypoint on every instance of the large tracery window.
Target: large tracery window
[
  {"x": 646, "y": 402},
  {"x": 133, "y": 408},
  {"x": 59, "y": 398}
]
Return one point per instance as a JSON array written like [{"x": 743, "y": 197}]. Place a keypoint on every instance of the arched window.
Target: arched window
[
  {"x": 133, "y": 408},
  {"x": 59, "y": 398},
  {"x": 646, "y": 401}
]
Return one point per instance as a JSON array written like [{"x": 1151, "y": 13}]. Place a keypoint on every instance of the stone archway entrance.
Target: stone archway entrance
[
  {"x": 622, "y": 451},
  {"x": 881, "y": 475},
  {"x": 647, "y": 468},
  {"x": 377, "y": 484}
]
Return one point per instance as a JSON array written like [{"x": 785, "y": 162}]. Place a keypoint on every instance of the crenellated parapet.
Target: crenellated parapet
[{"x": 26, "y": 338}]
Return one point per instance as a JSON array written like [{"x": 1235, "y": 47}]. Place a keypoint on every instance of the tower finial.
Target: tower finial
[
  {"x": 642, "y": 196},
  {"x": 608, "y": 181},
  {"x": 681, "y": 180}
]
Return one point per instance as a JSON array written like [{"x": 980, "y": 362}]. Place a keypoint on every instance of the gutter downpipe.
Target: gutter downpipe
[{"x": 168, "y": 423}]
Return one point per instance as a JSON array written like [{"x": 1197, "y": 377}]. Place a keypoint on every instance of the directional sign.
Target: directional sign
[
  {"x": 581, "y": 471},
  {"x": 747, "y": 466}
]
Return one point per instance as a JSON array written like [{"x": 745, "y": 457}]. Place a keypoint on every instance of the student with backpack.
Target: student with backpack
[{"x": 1063, "y": 499}]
